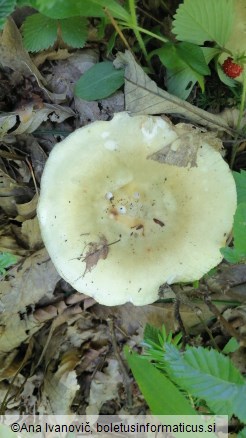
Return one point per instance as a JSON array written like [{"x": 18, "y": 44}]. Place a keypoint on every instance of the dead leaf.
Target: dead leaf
[
  {"x": 182, "y": 151},
  {"x": 104, "y": 387},
  {"x": 30, "y": 235},
  {"x": 12, "y": 193},
  {"x": 50, "y": 55},
  {"x": 143, "y": 96},
  {"x": 58, "y": 392},
  {"x": 96, "y": 251},
  {"x": 14, "y": 56},
  {"x": 33, "y": 118},
  {"x": 27, "y": 283}
]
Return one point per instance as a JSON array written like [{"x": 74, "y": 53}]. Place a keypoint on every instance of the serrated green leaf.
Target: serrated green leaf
[
  {"x": 162, "y": 396},
  {"x": 231, "y": 346},
  {"x": 99, "y": 81},
  {"x": 6, "y": 8},
  {"x": 74, "y": 31},
  {"x": 86, "y": 8},
  {"x": 210, "y": 376},
  {"x": 240, "y": 179},
  {"x": 39, "y": 32},
  {"x": 204, "y": 20},
  {"x": 151, "y": 334}
]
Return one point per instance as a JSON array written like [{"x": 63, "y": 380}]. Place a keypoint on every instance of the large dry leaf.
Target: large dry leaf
[
  {"x": 143, "y": 96},
  {"x": 27, "y": 283},
  {"x": 58, "y": 393}
]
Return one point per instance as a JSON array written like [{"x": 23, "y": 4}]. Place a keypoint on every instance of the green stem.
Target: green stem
[
  {"x": 240, "y": 117},
  {"x": 147, "y": 32},
  {"x": 134, "y": 26}
]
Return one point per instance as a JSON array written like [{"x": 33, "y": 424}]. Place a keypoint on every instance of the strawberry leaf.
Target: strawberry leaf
[
  {"x": 74, "y": 31},
  {"x": 39, "y": 32},
  {"x": 199, "y": 21},
  {"x": 6, "y": 8}
]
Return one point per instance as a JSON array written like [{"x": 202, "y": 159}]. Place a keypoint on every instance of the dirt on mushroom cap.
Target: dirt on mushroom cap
[{"x": 118, "y": 221}]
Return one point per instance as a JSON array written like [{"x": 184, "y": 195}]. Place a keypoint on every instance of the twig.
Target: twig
[
  {"x": 229, "y": 328},
  {"x": 127, "y": 380},
  {"x": 117, "y": 28}
]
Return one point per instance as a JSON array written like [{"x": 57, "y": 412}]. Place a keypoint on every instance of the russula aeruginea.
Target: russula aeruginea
[{"x": 133, "y": 203}]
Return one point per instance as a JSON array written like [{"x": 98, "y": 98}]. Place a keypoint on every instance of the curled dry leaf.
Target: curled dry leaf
[
  {"x": 143, "y": 96},
  {"x": 28, "y": 119},
  {"x": 12, "y": 193}
]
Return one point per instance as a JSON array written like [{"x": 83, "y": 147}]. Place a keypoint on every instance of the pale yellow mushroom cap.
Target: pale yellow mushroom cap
[{"x": 118, "y": 221}]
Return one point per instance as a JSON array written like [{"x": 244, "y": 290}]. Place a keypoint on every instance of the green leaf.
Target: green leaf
[
  {"x": 210, "y": 376},
  {"x": 204, "y": 20},
  {"x": 99, "y": 81},
  {"x": 238, "y": 253},
  {"x": 86, "y": 8},
  {"x": 183, "y": 70},
  {"x": 39, "y": 32},
  {"x": 74, "y": 31},
  {"x": 162, "y": 396},
  {"x": 6, "y": 260},
  {"x": 231, "y": 346},
  {"x": 6, "y": 8},
  {"x": 151, "y": 334},
  {"x": 242, "y": 433},
  {"x": 240, "y": 179},
  {"x": 193, "y": 56}
]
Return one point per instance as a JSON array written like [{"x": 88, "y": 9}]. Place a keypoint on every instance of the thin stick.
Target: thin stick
[{"x": 126, "y": 377}]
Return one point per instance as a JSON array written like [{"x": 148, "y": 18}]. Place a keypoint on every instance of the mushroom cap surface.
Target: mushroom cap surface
[{"x": 118, "y": 221}]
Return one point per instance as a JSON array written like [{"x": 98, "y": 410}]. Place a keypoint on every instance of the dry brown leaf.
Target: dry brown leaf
[
  {"x": 33, "y": 119},
  {"x": 12, "y": 193},
  {"x": 182, "y": 151},
  {"x": 27, "y": 210},
  {"x": 131, "y": 320},
  {"x": 26, "y": 284},
  {"x": 50, "y": 55},
  {"x": 143, "y": 96},
  {"x": 14, "y": 56},
  {"x": 104, "y": 387}
]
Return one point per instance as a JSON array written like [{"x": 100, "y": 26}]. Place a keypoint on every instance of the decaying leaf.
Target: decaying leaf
[
  {"x": 27, "y": 119},
  {"x": 58, "y": 392},
  {"x": 143, "y": 96},
  {"x": 12, "y": 193},
  {"x": 104, "y": 387},
  {"x": 27, "y": 283},
  {"x": 95, "y": 252},
  {"x": 14, "y": 56},
  {"x": 182, "y": 152}
]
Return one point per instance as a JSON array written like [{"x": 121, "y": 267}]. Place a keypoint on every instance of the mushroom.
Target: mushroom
[{"x": 130, "y": 204}]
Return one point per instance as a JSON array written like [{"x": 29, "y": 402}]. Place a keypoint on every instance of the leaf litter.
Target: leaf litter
[{"x": 54, "y": 341}]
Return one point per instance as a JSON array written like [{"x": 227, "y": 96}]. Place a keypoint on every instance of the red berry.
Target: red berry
[{"x": 232, "y": 69}]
